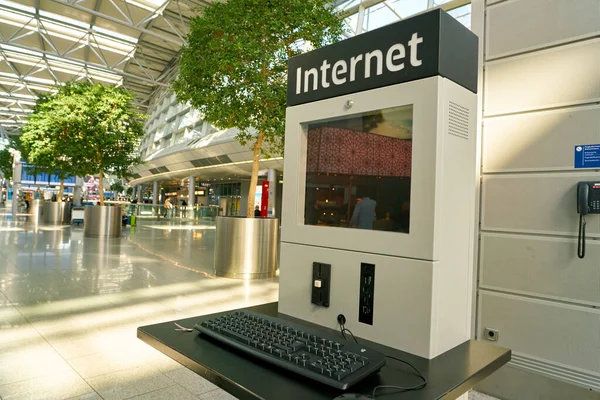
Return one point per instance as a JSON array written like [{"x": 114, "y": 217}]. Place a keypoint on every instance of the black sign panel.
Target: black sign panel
[{"x": 429, "y": 44}]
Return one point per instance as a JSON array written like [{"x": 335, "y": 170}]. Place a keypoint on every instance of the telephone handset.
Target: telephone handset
[{"x": 588, "y": 202}]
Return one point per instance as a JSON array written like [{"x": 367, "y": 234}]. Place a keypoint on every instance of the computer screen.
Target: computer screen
[{"x": 358, "y": 171}]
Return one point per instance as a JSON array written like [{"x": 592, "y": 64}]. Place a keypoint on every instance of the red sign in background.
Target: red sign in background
[{"x": 264, "y": 202}]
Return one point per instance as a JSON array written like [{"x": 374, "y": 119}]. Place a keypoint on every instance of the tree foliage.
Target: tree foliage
[
  {"x": 6, "y": 160},
  {"x": 234, "y": 67},
  {"x": 84, "y": 129},
  {"x": 117, "y": 187},
  {"x": 6, "y": 157},
  {"x": 45, "y": 137}
]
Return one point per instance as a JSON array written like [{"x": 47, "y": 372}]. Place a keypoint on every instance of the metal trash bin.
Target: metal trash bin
[{"x": 246, "y": 248}]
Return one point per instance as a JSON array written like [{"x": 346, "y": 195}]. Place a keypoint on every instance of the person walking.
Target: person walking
[
  {"x": 168, "y": 206},
  {"x": 183, "y": 208},
  {"x": 364, "y": 212}
]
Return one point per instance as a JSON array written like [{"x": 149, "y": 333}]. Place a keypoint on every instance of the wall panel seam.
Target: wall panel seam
[
  {"x": 553, "y": 49},
  {"x": 546, "y": 46},
  {"x": 558, "y": 106},
  {"x": 565, "y": 235},
  {"x": 498, "y": 3},
  {"x": 549, "y": 173},
  {"x": 524, "y": 171},
  {"x": 516, "y": 235},
  {"x": 591, "y": 105},
  {"x": 541, "y": 300},
  {"x": 594, "y": 305}
]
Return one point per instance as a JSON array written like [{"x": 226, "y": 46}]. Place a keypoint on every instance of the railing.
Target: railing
[{"x": 181, "y": 212}]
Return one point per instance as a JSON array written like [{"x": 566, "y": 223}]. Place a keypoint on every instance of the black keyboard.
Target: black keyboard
[{"x": 320, "y": 356}]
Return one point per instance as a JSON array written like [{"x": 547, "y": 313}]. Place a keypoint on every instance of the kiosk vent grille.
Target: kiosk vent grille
[{"x": 458, "y": 120}]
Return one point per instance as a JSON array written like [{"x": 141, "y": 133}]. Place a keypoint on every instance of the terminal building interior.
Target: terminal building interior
[{"x": 71, "y": 305}]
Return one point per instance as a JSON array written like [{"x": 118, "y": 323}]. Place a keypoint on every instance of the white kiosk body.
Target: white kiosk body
[{"x": 382, "y": 173}]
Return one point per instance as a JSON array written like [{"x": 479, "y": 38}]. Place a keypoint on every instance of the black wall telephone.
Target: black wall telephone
[{"x": 588, "y": 202}]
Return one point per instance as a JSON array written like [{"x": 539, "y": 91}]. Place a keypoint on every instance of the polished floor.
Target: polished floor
[{"x": 70, "y": 306}]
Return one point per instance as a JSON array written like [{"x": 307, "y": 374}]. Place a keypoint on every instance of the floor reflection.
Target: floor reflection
[{"x": 70, "y": 306}]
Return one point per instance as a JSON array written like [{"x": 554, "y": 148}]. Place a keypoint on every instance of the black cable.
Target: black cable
[
  {"x": 581, "y": 238},
  {"x": 403, "y": 388},
  {"x": 344, "y": 329},
  {"x": 341, "y": 319}
]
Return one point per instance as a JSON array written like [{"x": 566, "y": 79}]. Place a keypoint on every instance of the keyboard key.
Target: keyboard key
[
  {"x": 297, "y": 345},
  {"x": 235, "y": 335},
  {"x": 316, "y": 367},
  {"x": 355, "y": 366},
  {"x": 341, "y": 374},
  {"x": 285, "y": 349}
]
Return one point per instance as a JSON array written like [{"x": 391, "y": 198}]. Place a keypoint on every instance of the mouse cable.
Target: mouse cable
[
  {"x": 402, "y": 388},
  {"x": 380, "y": 387},
  {"x": 344, "y": 330},
  {"x": 342, "y": 322}
]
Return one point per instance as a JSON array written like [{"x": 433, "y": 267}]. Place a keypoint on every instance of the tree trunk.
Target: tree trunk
[
  {"x": 101, "y": 187},
  {"x": 254, "y": 177},
  {"x": 61, "y": 190}
]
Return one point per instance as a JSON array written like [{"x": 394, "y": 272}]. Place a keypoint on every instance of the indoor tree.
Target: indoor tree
[
  {"x": 6, "y": 163},
  {"x": 117, "y": 187},
  {"x": 45, "y": 137},
  {"x": 109, "y": 131},
  {"x": 234, "y": 67}
]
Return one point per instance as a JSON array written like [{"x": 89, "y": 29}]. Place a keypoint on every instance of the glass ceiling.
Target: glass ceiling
[
  {"x": 133, "y": 43},
  {"x": 120, "y": 42},
  {"x": 377, "y": 13}
]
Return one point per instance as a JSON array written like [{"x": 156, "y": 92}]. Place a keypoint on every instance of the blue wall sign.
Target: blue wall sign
[{"x": 587, "y": 156}]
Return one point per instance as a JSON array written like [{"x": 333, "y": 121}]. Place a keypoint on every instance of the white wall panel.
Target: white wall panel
[
  {"x": 541, "y": 266},
  {"x": 520, "y": 25},
  {"x": 551, "y": 331},
  {"x": 550, "y": 78},
  {"x": 535, "y": 203},
  {"x": 538, "y": 141}
]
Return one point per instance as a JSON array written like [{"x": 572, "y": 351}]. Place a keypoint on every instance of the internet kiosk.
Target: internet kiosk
[
  {"x": 378, "y": 225},
  {"x": 379, "y": 194}
]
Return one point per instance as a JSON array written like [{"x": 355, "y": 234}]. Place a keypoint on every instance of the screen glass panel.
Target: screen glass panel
[{"x": 358, "y": 171}]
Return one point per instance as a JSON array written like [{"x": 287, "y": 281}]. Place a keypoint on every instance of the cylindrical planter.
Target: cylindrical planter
[
  {"x": 102, "y": 221},
  {"x": 57, "y": 212},
  {"x": 246, "y": 248},
  {"x": 36, "y": 208}
]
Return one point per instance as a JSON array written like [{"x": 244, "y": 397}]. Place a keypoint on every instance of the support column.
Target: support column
[
  {"x": 272, "y": 178},
  {"x": 77, "y": 192},
  {"x": 244, "y": 189},
  {"x": 155, "y": 193},
  {"x": 155, "y": 197},
  {"x": 16, "y": 187},
  {"x": 192, "y": 193},
  {"x": 140, "y": 194}
]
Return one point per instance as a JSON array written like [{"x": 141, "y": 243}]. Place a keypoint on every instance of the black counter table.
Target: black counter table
[{"x": 449, "y": 375}]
